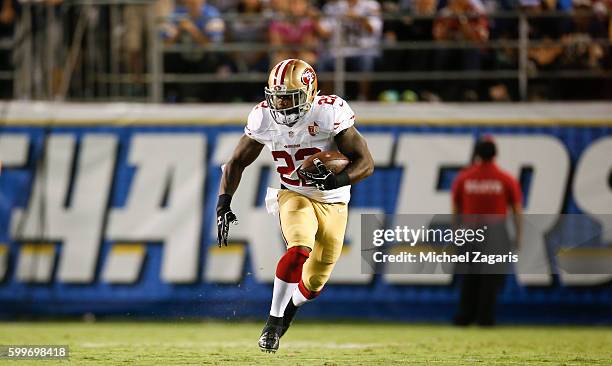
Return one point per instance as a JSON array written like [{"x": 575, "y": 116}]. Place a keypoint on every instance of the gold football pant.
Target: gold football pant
[{"x": 316, "y": 225}]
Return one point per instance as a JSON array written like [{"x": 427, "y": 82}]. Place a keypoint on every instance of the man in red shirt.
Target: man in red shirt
[{"x": 483, "y": 189}]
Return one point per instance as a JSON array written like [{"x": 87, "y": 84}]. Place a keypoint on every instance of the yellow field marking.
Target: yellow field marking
[
  {"x": 37, "y": 248},
  {"x": 585, "y": 252},
  {"x": 128, "y": 248}
]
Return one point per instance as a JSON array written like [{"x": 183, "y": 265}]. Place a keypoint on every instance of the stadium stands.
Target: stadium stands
[{"x": 220, "y": 50}]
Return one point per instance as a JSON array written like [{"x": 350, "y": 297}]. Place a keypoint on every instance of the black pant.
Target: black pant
[
  {"x": 481, "y": 282},
  {"x": 478, "y": 298}
]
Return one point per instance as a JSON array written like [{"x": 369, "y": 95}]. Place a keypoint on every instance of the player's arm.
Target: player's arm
[
  {"x": 354, "y": 146},
  {"x": 244, "y": 155}
]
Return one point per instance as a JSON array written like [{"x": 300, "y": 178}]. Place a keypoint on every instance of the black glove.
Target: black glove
[
  {"x": 324, "y": 179},
  {"x": 225, "y": 216}
]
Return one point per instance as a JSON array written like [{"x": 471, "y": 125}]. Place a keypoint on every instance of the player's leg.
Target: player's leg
[
  {"x": 332, "y": 220},
  {"x": 299, "y": 227}
]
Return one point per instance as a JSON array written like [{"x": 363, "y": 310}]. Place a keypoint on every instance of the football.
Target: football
[{"x": 333, "y": 160}]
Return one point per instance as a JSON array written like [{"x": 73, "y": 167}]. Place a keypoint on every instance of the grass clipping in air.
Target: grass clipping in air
[{"x": 216, "y": 343}]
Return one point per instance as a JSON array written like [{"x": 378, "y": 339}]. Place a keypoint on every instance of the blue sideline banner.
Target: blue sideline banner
[{"x": 119, "y": 220}]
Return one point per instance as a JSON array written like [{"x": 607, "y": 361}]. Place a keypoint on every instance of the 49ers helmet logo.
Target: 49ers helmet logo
[{"x": 308, "y": 77}]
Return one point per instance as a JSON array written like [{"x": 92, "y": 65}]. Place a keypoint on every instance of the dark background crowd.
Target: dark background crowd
[{"x": 431, "y": 50}]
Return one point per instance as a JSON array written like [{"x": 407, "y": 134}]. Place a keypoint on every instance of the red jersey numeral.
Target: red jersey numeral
[
  {"x": 302, "y": 154},
  {"x": 285, "y": 171},
  {"x": 328, "y": 99}
]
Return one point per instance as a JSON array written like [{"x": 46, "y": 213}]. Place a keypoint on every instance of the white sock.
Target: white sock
[
  {"x": 281, "y": 295},
  {"x": 298, "y": 298}
]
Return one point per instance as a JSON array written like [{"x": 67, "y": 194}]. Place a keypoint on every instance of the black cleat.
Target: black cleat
[
  {"x": 290, "y": 311},
  {"x": 270, "y": 335}
]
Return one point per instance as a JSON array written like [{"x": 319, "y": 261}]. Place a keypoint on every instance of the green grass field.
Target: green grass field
[{"x": 217, "y": 343}]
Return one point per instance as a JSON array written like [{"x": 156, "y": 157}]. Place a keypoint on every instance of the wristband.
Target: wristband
[
  {"x": 342, "y": 179},
  {"x": 224, "y": 201}
]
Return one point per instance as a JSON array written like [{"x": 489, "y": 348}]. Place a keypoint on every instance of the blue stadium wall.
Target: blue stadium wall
[{"x": 150, "y": 296}]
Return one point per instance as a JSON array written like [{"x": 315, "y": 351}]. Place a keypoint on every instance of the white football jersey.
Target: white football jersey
[{"x": 290, "y": 146}]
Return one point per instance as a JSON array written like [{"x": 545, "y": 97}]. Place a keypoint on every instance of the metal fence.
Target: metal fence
[{"x": 75, "y": 51}]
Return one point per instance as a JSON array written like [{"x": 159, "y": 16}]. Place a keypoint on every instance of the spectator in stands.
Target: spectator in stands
[
  {"x": 582, "y": 51},
  {"x": 277, "y": 8},
  {"x": 415, "y": 26},
  {"x": 461, "y": 21},
  {"x": 48, "y": 56},
  {"x": 353, "y": 29},
  {"x": 8, "y": 17},
  {"x": 196, "y": 24},
  {"x": 546, "y": 31},
  {"x": 503, "y": 58},
  {"x": 296, "y": 32},
  {"x": 504, "y": 30},
  {"x": 136, "y": 26},
  {"x": 250, "y": 26},
  {"x": 588, "y": 23},
  {"x": 225, "y": 6}
]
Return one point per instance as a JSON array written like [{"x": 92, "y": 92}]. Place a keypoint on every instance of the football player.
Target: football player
[{"x": 294, "y": 122}]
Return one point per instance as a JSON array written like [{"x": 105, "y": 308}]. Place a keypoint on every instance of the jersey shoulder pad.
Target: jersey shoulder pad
[
  {"x": 258, "y": 120},
  {"x": 339, "y": 115}
]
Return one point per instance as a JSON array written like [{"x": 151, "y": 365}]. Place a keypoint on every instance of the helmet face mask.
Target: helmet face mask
[
  {"x": 287, "y": 108},
  {"x": 292, "y": 86}
]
